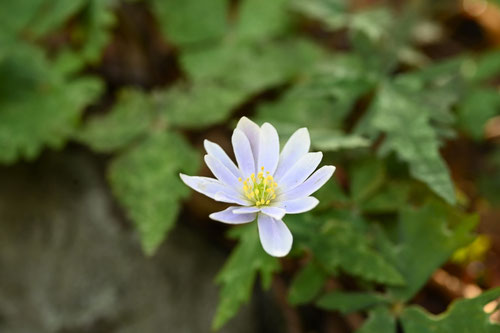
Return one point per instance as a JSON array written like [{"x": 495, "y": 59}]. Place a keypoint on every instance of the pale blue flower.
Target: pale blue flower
[{"x": 266, "y": 184}]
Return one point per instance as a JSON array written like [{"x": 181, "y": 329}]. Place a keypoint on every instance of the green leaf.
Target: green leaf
[
  {"x": 238, "y": 275},
  {"x": 262, "y": 19},
  {"x": 326, "y": 140},
  {"x": 39, "y": 106},
  {"x": 130, "y": 118},
  {"x": 485, "y": 66},
  {"x": 199, "y": 105},
  {"x": 465, "y": 315},
  {"x": 427, "y": 237},
  {"x": 347, "y": 302},
  {"x": 35, "y": 18},
  {"x": 379, "y": 320},
  {"x": 146, "y": 182},
  {"x": 337, "y": 243},
  {"x": 225, "y": 78},
  {"x": 331, "y": 12},
  {"x": 93, "y": 31},
  {"x": 306, "y": 284},
  {"x": 388, "y": 199},
  {"x": 322, "y": 101},
  {"x": 191, "y": 21},
  {"x": 251, "y": 66},
  {"x": 406, "y": 122},
  {"x": 367, "y": 176},
  {"x": 476, "y": 109}
]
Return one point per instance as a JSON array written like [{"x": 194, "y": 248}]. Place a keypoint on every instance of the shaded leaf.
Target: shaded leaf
[
  {"x": 326, "y": 140},
  {"x": 427, "y": 237},
  {"x": 238, "y": 275},
  {"x": 230, "y": 76},
  {"x": 146, "y": 182},
  {"x": 389, "y": 198},
  {"x": 379, "y": 320},
  {"x": 130, "y": 117},
  {"x": 347, "y": 302},
  {"x": 191, "y": 21},
  {"x": 367, "y": 176},
  {"x": 34, "y": 18},
  {"x": 322, "y": 100},
  {"x": 337, "y": 243},
  {"x": 476, "y": 109},
  {"x": 410, "y": 134},
  {"x": 39, "y": 106},
  {"x": 466, "y": 315},
  {"x": 306, "y": 284},
  {"x": 262, "y": 19}
]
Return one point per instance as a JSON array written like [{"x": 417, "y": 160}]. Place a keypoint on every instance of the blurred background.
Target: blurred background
[{"x": 104, "y": 102}]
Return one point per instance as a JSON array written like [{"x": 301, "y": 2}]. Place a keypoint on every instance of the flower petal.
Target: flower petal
[
  {"x": 296, "y": 147},
  {"x": 274, "y": 235},
  {"x": 221, "y": 172},
  {"x": 311, "y": 185},
  {"x": 275, "y": 212},
  {"x": 252, "y": 132},
  {"x": 300, "y": 171},
  {"x": 243, "y": 153},
  {"x": 229, "y": 197},
  {"x": 246, "y": 210},
  {"x": 204, "y": 185},
  {"x": 216, "y": 151},
  {"x": 301, "y": 205},
  {"x": 269, "y": 149},
  {"x": 228, "y": 216},
  {"x": 214, "y": 189}
]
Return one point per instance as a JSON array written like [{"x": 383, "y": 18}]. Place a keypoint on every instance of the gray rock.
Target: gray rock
[{"x": 70, "y": 263}]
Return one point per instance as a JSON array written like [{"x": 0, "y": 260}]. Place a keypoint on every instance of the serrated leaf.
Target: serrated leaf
[
  {"x": 130, "y": 117},
  {"x": 477, "y": 107},
  {"x": 145, "y": 180},
  {"x": 337, "y": 243},
  {"x": 200, "y": 104},
  {"x": 238, "y": 275},
  {"x": 34, "y": 18},
  {"x": 367, "y": 176},
  {"x": 39, "y": 106},
  {"x": 379, "y": 320},
  {"x": 410, "y": 134},
  {"x": 389, "y": 198},
  {"x": 486, "y": 66},
  {"x": 191, "y": 21},
  {"x": 228, "y": 77},
  {"x": 347, "y": 302},
  {"x": 326, "y": 140},
  {"x": 427, "y": 237},
  {"x": 465, "y": 315},
  {"x": 250, "y": 66},
  {"x": 331, "y": 12},
  {"x": 323, "y": 100},
  {"x": 262, "y": 19},
  {"x": 306, "y": 284}
]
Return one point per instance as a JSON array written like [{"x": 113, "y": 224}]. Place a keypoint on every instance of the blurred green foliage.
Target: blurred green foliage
[{"x": 379, "y": 107}]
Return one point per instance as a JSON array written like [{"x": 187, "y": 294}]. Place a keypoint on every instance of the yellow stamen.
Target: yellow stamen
[{"x": 260, "y": 188}]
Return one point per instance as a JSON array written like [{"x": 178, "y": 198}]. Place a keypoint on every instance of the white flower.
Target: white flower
[{"x": 266, "y": 184}]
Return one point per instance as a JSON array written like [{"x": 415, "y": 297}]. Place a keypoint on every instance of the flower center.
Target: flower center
[{"x": 260, "y": 189}]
